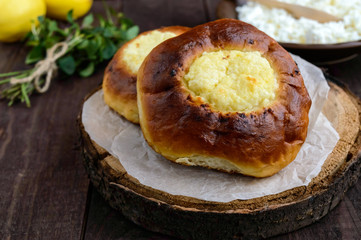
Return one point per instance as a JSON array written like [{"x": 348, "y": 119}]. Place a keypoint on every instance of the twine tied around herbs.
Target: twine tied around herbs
[{"x": 46, "y": 66}]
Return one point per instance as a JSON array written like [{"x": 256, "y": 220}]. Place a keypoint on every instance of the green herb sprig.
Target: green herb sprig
[{"x": 88, "y": 46}]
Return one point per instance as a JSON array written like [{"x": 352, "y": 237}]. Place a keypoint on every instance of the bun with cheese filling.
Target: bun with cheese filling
[
  {"x": 119, "y": 83},
  {"x": 224, "y": 96}
]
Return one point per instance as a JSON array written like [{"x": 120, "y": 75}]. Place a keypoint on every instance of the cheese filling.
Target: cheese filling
[
  {"x": 232, "y": 80},
  {"x": 136, "y": 51}
]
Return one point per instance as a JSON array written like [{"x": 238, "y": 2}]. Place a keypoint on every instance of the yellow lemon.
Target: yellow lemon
[
  {"x": 58, "y": 9},
  {"x": 17, "y": 16}
]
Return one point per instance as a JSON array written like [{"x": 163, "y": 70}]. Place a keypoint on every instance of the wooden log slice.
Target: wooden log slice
[{"x": 191, "y": 218}]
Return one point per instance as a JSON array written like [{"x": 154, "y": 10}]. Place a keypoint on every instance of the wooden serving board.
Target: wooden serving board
[{"x": 190, "y": 218}]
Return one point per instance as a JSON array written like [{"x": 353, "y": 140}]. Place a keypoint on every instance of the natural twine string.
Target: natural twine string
[{"x": 46, "y": 66}]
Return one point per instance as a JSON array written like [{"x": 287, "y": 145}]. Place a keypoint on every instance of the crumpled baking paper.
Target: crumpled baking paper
[{"x": 125, "y": 141}]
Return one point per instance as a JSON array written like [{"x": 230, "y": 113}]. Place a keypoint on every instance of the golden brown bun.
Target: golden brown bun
[
  {"x": 119, "y": 83},
  {"x": 186, "y": 130}
]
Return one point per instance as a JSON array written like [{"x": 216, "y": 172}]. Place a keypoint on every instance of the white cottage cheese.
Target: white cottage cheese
[{"x": 283, "y": 27}]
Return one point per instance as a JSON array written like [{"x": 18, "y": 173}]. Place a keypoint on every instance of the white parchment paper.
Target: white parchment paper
[{"x": 125, "y": 141}]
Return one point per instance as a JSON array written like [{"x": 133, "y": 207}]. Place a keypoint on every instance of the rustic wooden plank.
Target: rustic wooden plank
[
  {"x": 211, "y": 6},
  {"x": 154, "y": 14},
  {"x": 348, "y": 72},
  {"x": 98, "y": 5},
  {"x": 336, "y": 225},
  {"x": 43, "y": 185},
  {"x": 10, "y": 55},
  {"x": 106, "y": 223}
]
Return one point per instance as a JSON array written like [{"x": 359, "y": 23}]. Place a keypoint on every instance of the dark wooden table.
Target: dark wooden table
[{"x": 44, "y": 190}]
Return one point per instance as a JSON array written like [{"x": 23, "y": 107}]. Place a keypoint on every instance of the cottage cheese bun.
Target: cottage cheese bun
[
  {"x": 119, "y": 83},
  {"x": 224, "y": 96}
]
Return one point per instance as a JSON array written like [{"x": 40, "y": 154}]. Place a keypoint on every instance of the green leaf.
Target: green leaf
[
  {"x": 108, "y": 32},
  {"x": 102, "y": 21},
  {"x": 83, "y": 45},
  {"x": 53, "y": 26},
  {"x": 32, "y": 43},
  {"x": 100, "y": 40},
  {"x": 125, "y": 23},
  {"x": 62, "y": 33},
  {"x": 113, "y": 12},
  {"x": 118, "y": 35},
  {"x": 25, "y": 94},
  {"x": 86, "y": 72},
  {"x": 10, "y": 74},
  {"x": 88, "y": 20},
  {"x": 67, "y": 64},
  {"x": 36, "y": 54},
  {"x": 108, "y": 13},
  {"x": 92, "y": 49},
  {"x": 51, "y": 41},
  {"x": 69, "y": 16},
  {"x": 132, "y": 33},
  {"x": 109, "y": 50},
  {"x": 7, "y": 80},
  {"x": 41, "y": 19}
]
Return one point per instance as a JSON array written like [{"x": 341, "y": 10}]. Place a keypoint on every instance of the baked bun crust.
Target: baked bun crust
[
  {"x": 119, "y": 83},
  {"x": 187, "y": 130}
]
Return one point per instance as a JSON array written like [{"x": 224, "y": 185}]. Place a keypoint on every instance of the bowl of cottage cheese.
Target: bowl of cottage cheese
[{"x": 317, "y": 42}]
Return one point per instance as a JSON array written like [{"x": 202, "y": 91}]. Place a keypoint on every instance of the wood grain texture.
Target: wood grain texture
[
  {"x": 348, "y": 73},
  {"x": 211, "y": 6},
  {"x": 154, "y": 14},
  {"x": 106, "y": 223},
  {"x": 43, "y": 185}
]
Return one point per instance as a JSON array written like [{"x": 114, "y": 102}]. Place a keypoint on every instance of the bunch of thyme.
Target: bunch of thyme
[{"x": 88, "y": 46}]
